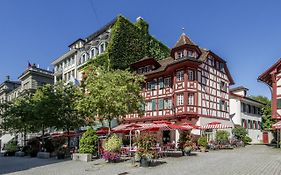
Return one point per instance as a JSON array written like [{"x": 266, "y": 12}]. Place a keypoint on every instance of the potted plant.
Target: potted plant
[
  {"x": 112, "y": 149},
  {"x": 61, "y": 152},
  {"x": 88, "y": 146},
  {"x": 185, "y": 143},
  {"x": 187, "y": 147},
  {"x": 145, "y": 152},
  {"x": 222, "y": 137},
  {"x": 202, "y": 142}
]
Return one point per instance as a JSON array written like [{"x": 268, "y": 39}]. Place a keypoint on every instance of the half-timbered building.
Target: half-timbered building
[
  {"x": 192, "y": 85},
  {"x": 272, "y": 78}
]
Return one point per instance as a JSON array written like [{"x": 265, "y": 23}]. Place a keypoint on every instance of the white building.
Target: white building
[
  {"x": 68, "y": 66},
  {"x": 246, "y": 112}
]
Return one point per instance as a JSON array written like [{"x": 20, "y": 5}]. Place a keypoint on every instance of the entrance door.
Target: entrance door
[
  {"x": 265, "y": 137},
  {"x": 166, "y": 137}
]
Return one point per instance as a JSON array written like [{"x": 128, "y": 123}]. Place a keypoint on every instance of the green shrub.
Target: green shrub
[
  {"x": 11, "y": 148},
  {"x": 222, "y": 136},
  {"x": 247, "y": 140},
  {"x": 49, "y": 146},
  {"x": 239, "y": 132},
  {"x": 202, "y": 141},
  {"x": 113, "y": 144},
  {"x": 88, "y": 142}
]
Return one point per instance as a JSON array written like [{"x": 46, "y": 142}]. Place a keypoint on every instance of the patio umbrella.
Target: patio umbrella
[
  {"x": 102, "y": 130},
  {"x": 132, "y": 127},
  {"x": 188, "y": 126},
  {"x": 277, "y": 125}
]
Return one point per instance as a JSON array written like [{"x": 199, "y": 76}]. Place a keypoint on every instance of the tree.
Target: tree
[
  {"x": 68, "y": 116},
  {"x": 18, "y": 115},
  {"x": 111, "y": 94},
  {"x": 266, "y": 112},
  {"x": 45, "y": 108},
  {"x": 239, "y": 132},
  {"x": 222, "y": 136}
]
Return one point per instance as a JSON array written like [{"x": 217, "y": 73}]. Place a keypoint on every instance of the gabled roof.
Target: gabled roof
[
  {"x": 238, "y": 89},
  {"x": 183, "y": 40},
  {"x": 266, "y": 76},
  {"x": 145, "y": 60}
]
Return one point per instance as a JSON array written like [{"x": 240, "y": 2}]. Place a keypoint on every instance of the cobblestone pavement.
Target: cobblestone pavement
[{"x": 252, "y": 160}]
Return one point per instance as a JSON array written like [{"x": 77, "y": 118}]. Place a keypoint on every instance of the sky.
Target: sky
[{"x": 246, "y": 34}]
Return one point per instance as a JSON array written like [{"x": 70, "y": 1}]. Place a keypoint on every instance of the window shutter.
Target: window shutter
[{"x": 278, "y": 103}]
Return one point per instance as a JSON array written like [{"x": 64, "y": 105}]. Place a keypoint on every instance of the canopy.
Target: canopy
[
  {"x": 277, "y": 125},
  {"x": 102, "y": 130},
  {"x": 153, "y": 127},
  {"x": 214, "y": 125}
]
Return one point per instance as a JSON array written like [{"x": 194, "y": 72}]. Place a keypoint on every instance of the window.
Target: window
[
  {"x": 180, "y": 55},
  {"x": 93, "y": 52},
  {"x": 153, "y": 105},
  {"x": 211, "y": 61},
  {"x": 151, "y": 85},
  {"x": 278, "y": 103},
  {"x": 180, "y": 100},
  {"x": 167, "y": 82},
  {"x": 223, "y": 105},
  {"x": 160, "y": 104},
  {"x": 161, "y": 83},
  {"x": 190, "y": 99},
  {"x": 102, "y": 48},
  {"x": 223, "y": 86},
  {"x": 190, "y": 53},
  {"x": 180, "y": 75},
  {"x": 191, "y": 75},
  {"x": 168, "y": 103},
  {"x": 221, "y": 68},
  {"x": 250, "y": 126},
  {"x": 148, "y": 106}
]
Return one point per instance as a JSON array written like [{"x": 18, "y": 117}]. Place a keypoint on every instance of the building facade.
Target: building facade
[
  {"x": 31, "y": 79},
  {"x": 192, "y": 85},
  {"x": 246, "y": 112},
  {"x": 272, "y": 78},
  {"x": 67, "y": 67}
]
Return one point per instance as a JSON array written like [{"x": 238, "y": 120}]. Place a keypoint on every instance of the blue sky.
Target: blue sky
[{"x": 246, "y": 34}]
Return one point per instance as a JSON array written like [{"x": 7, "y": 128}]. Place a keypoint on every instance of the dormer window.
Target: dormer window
[
  {"x": 221, "y": 68},
  {"x": 192, "y": 54},
  {"x": 211, "y": 61},
  {"x": 180, "y": 55}
]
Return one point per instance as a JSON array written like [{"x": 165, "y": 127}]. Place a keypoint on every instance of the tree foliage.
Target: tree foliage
[
  {"x": 222, "y": 136},
  {"x": 266, "y": 111},
  {"x": 88, "y": 142},
  {"x": 239, "y": 132},
  {"x": 111, "y": 94}
]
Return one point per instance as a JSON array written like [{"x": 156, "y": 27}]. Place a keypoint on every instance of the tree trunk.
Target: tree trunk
[
  {"x": 109, "y": 126},
  {"x": 43, "y": 133},
  {"x": 68, "y": 138}
]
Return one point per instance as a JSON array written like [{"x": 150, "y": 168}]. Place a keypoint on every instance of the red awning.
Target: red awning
[
  {"x": 214, "y": 125},
  {"x": 102, "y": 130}
]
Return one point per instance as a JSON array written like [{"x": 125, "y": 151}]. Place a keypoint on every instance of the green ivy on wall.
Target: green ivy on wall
[{"x": 129, "y": 43}]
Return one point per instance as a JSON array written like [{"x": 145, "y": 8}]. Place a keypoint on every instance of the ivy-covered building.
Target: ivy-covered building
[{"x": 120, "y": 42}]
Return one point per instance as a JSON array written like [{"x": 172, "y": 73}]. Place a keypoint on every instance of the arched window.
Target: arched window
[{"x": 93, "y": 52}]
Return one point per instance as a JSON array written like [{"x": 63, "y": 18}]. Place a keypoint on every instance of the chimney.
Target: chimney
[
  {"x": 8, "y": 78},
  {"x": 139, "y": 18}
]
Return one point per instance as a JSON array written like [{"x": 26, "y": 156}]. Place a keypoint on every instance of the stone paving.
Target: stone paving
[{"x": 252, "y": 160}]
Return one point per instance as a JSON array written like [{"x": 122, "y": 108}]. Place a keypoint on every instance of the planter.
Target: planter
[
  {"x": 202, "y": 149},
  {"x": 144, "y": 162},
  {"x": 60, "y": 155},
  {"x": 19, "y": 154},
  {"x": 82, "y": 157},
  {"x": 43, "y": 155},
  {"x": 187, "y": 151}
]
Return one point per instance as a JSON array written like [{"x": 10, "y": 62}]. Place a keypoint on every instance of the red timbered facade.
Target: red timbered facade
[
  {"x": 191, "y": 84},
  {"x": 272, "y": 77}
]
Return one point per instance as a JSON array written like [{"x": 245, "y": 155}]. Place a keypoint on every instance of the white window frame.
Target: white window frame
[
  {"x": 180, "y": 75},
  {"x": 190, "y": 99},
  {"x": 191, "y": 75},
  {"x": 180, "y": 99}
]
